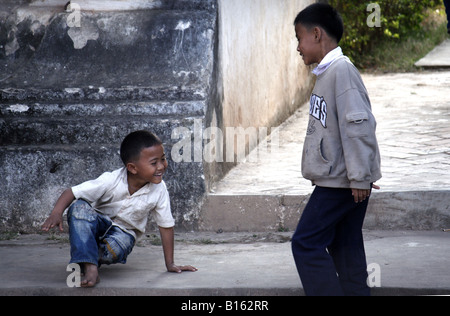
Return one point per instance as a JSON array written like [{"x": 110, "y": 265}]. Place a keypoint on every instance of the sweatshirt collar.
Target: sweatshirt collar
[{"x": 327, "y": 61}]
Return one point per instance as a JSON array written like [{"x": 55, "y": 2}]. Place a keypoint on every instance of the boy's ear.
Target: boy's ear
[
  {"x": 317, "y": 33},
  {"x": 131, "y": 167}
]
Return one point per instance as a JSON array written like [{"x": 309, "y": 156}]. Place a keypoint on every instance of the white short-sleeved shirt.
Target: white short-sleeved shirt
[{"x": 109, "y": 195}]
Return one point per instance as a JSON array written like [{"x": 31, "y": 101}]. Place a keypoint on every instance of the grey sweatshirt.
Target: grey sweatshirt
[{"x": 341, "y": 148}]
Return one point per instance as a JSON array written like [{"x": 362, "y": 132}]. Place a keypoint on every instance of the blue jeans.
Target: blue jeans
[
  {"x": 94, "y": 239},
  {"x": 328, "y": 245}
]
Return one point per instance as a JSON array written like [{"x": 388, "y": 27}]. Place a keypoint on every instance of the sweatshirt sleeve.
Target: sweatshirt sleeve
[{"x": 357, "y": 127}]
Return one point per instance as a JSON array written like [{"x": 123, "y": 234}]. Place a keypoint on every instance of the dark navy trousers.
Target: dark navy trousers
[
  {"x": 328, "y": 245},
  {"x": 447, "y": 10}
]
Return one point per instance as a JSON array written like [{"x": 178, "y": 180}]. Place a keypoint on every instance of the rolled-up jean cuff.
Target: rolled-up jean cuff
[{"x": 94, "y": 238}]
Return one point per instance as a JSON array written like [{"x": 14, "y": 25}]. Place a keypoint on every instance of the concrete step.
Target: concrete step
[
  {"x": 421, "y": 210},
  {"x": 99, "y": 108},
  {"x": 70, "y": 93},
  {"x": 146, "y": 48},
  {"x": 120, "y": 5},
  {"x": 86, "y": 92},
  {"x": 92, "y": 122}
]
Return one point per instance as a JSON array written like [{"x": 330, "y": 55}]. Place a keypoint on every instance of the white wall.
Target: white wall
[{"x": 264, "y": 79}]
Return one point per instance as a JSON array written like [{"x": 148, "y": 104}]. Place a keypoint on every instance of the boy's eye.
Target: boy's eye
[{"x": 154, "y": 163}]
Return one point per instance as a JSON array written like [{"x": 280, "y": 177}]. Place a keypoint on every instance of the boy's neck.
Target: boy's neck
[
  {"x": 134, "y": 185},
  {"x": 326, "y": 48}
]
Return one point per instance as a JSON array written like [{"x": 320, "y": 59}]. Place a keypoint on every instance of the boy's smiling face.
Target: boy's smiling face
[
  {"x": 308, "y": 43},
  {"x": 151, "y": 166}
]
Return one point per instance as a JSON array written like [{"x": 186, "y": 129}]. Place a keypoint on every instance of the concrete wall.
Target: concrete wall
[
  {"x": 69, "y": 94},
  {"x": 264, "y": 80}
]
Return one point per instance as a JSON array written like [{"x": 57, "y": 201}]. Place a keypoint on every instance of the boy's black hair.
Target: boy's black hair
[
  {"x": 324, "y": 16},
  {"x": 133, "y": 144}
]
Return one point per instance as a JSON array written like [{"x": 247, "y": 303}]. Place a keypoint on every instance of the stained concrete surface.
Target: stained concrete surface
[
  {"x": 413, "y": 115},
  {"x": 248, "y": 264}
]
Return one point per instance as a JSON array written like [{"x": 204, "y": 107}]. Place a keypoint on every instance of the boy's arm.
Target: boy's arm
[
  {"x": 167, "y": 237},
  {"x": 55, "y": 218},
  {"x": 357, "y": 127}
]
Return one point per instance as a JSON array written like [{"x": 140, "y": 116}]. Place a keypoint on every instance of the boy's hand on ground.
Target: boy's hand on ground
[
  {"x": 56, "y": 217},
  {"x": 179, "y": 269},
  {"x": 53, "y": 221}
]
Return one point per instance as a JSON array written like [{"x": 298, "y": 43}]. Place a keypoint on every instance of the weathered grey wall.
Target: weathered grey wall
[{"x": 68, "y": 95}]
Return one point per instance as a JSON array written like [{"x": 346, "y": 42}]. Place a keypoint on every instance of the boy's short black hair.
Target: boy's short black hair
[
  {"x": 133, "y": 144},
  {"x": 324, "y": 16}
]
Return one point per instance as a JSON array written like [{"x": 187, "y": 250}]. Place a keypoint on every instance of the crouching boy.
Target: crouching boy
[{"x": 110, "y": 213}]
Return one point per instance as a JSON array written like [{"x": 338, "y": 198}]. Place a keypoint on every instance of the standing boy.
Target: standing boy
[
  {"x": 340, "y": 157},
  {"x": 111, "y": 212}
]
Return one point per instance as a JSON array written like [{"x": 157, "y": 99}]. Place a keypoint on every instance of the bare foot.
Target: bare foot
[{"x": 91, "y": 277}]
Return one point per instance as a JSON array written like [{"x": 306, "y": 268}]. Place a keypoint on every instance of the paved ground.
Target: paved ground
[
  {"x": 438, "y": 57},
  {"x": 413, "y": 115},
  {"x": 247, "y": 264}
]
